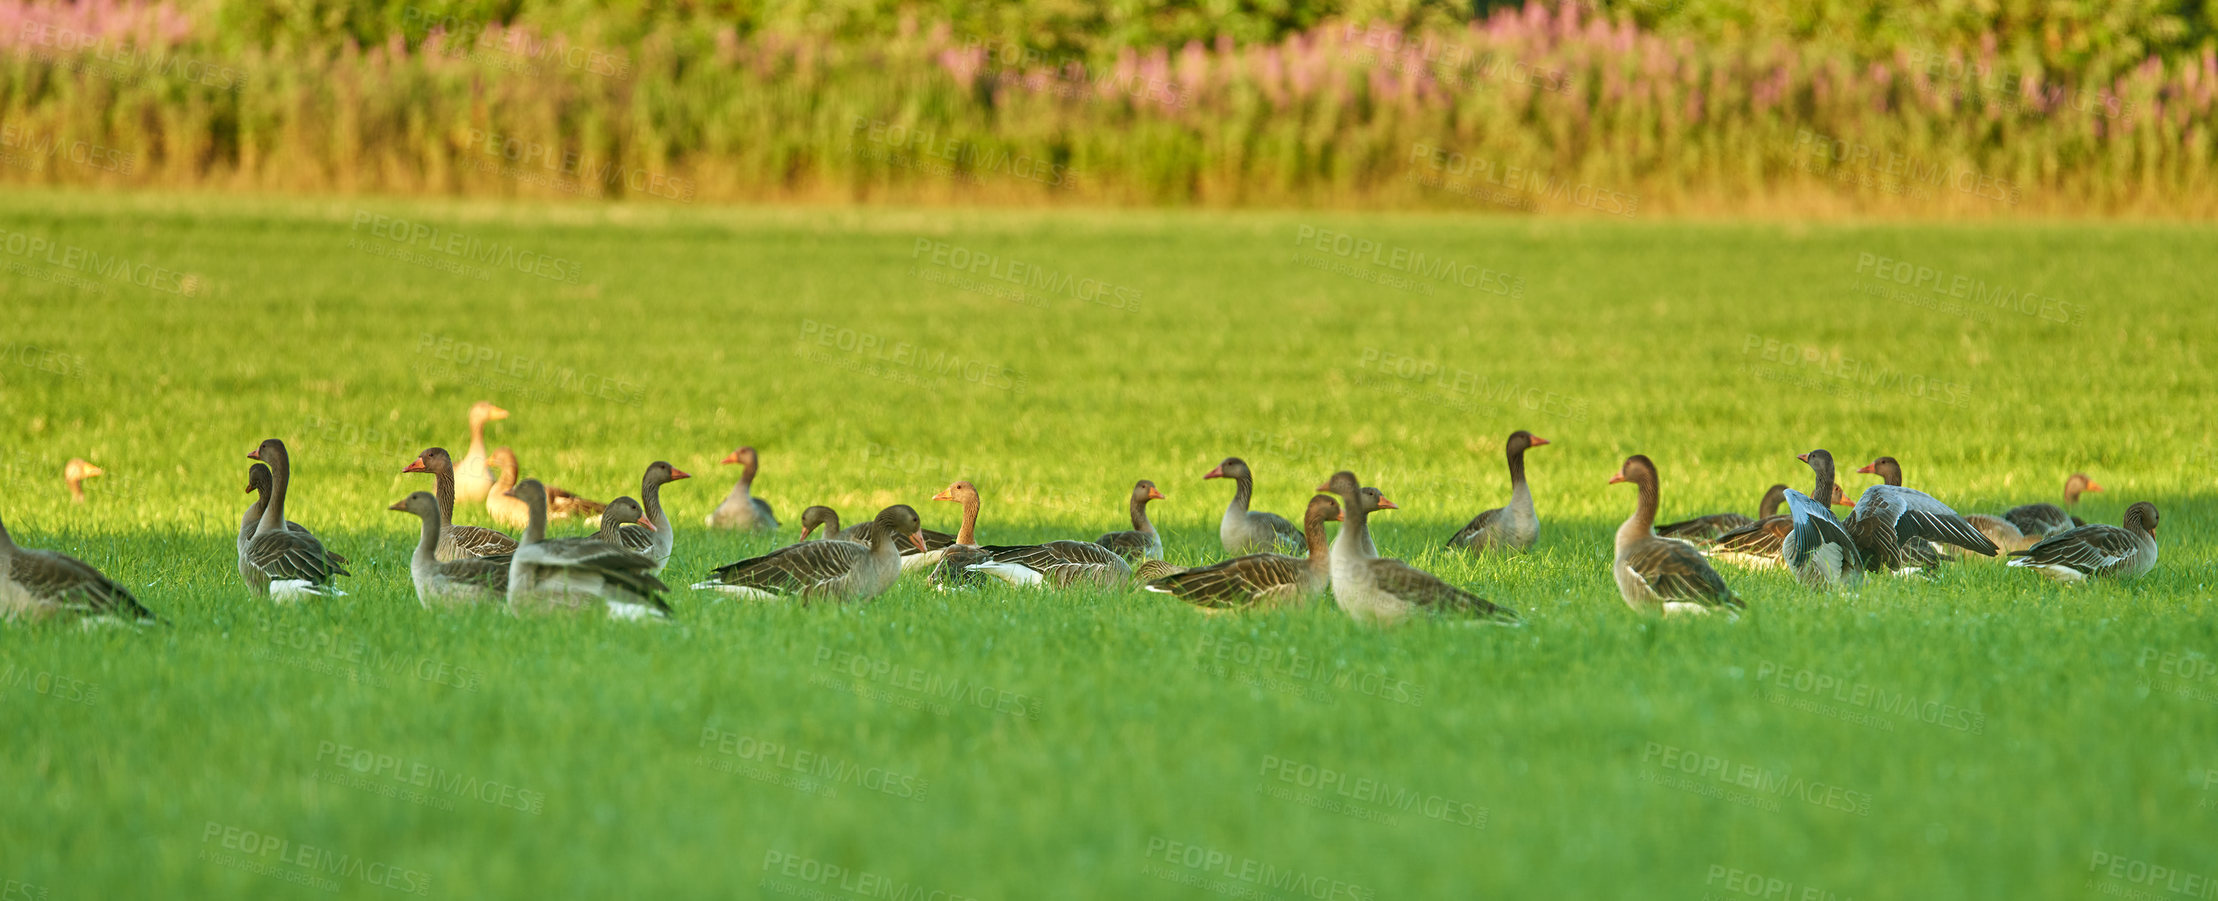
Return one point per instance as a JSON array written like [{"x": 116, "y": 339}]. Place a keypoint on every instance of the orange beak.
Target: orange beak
[
  {"x": 2093, "y": 487},
  {"x": 1154, "y": 495},
  {"x": 255, "y": 454},
  {"x": 946, "y": 495},
  {"x": 676, "y": 474},
  {"x": 400, "y": 505},
  {"x": 416, "y": 465},
  {"x": 1216, "y": 473},
  {"x": 249, "y": 488},
  {"x": 1803, "y": 457},
  {"x": 1539, "y": 441},
  {"x": 1385, "y": 504},
  {"x": 731, "y": 458},
  {"x": 1325, "y": 487},
  {"x": 650, "y": 526},
  {"x": 917, "y": 538},
  {"x": 1868, "y": 467}
]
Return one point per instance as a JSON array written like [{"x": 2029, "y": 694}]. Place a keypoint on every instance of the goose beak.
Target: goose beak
[
  {"x": 1539, "y": 441},
  {"x": 249, "y": 488},
  {"x": 650, "y": 526},
  {"x": 730, "y": 458},
  {"x": 416, "y": 465},
  {"x": 946, "y": 495},
  {"x": 1216, "y": 473},
  {"x": 1385, "y": 504},
  {"x": 399, "y": 506},
  {"x": 917, "y": 538},
  {"x": 255, "y": 454},
  {"x": 1154, "y": 495},
  {"x": 1617, "y": 477},
  {"x": 1326, "y": 487},
  {"x": 1867, "y": 467},
  {"x": 499, "y": 413},
  {"x": 2093, "y": 487},
  {"x": 676, "y": 474},
  {"x": 1803, "y": 457},
  {"x": 91, "y": 470},
  {"x": 806, "y": 531}
]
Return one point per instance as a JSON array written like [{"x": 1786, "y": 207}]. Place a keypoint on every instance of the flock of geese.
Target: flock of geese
[{"x": 1659, "y": 570}]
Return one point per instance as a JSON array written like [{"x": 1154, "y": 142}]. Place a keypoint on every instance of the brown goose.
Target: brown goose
[
  {"x": 2096, "y": 550},
  {"x": 2000, "y": 531},
  {"x": 827, "y": 519},
  {"x": 1662, "y": 576},
  {"x": 1261, "y": 580},
  {"x": 2036, "y": 520},
  {"x": 621, "y": 512},
  {"x": 457, "y": 542},
  {"x": 1757, "y": 545},
  {"x": 1059, "y": 564},
  {"x": 833, "y": 568},
  {"x": 742, "y": 509},
  {"x": 282, "y": 563},
  {"x": 1817, "y": 548},
  {"x": 818, "y": 515},
  {"x": 950, "y": 566},
  {"x": 258, "y": 483},
  {"x": 75, "y": 472},
  {"x": 39, "y": 585},
  {"x": 473, "y": 482},
  {"x": 509, "y": 510},
  {"x": 1704, "y": 529},
  {"x": 1896, "y": 528},
  {"x": 1141, "y": 543},
  {"x": 652, "y": 537},
  {"x": 1384, "y": 591},
  {"x": 574, "y": 574},
  {"x": 469, "y": 580},
  {"x": 1247, "y": 531},
  {"x": 1512, "y": 528}
]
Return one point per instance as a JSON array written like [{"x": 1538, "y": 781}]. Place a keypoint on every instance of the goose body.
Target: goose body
[
  {"x": 820, "y": 517},
  {"x": 2097, "y": 550},
  {"x": 1055, "y": 563},
  {"x": 1662, "y": 576},
  {"x": 470, "y": 580},
  {"x": 75, "y": 472},
  {"x": 575, "y": 574},
  {"x": 473, "y": 479},
  {"x": 1372, "y": 589},
  {"x": 1759, "y": 544},
  {"x": 1703, "y": 530},
  {"x": 456, "y": 542},
  {"x": 1246, "y": 531},
  {"x": 1817, "y": 548},
  {"x": 1258, "y": 580},
  {"x": 1141, "y": 542},
  {"x": 834, "y": 568},
  {"x": 36, "y": 586},
  {"x": 653, "y": 537},
  {"x": 742, "y": 509},
  {"x": 2037, "y": 520},
  {"x": 508, "y": 510},
  {"x": 283, "y": 562},
  {"x": 258, "y": 482},
  {"x": 1515, "y": 527}
]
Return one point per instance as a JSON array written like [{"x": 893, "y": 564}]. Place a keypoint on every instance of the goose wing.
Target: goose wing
[
  {"x": 1813, "y": 526},
  {"x": 1675, "y": 571},
  {"x": 1479, "y": 525},
  {"x": 74, "y": 585},
  {"x": 1704, "y": 528},
  {"x": 1048, "y": 554},
  {"x": 1431, "y": 592},
  {"x": 1759, "y": 538},
  {"x": 287, "y": 554},
  {"x": 490, "y": 572},
  {"x": 479, "y": 542},
  {"x": 1889, "y": 517},
  {"x": 2089, "y": 549},
  {"x": 615, "y": 564},
  {"x": 796, "y": 568},
  {"x": 2038, "y": 519},
  {"x": 1233, "y": 582}
]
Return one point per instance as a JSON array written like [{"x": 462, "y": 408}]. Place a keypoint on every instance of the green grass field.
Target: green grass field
[{"x": 1986, "y": 734}]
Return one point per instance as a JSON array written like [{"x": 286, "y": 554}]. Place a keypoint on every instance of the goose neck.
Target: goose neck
[{"x": 968, "y": 535}]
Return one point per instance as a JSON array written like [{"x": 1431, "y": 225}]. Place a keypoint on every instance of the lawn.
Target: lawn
[{"x": 1984, "y": 734}]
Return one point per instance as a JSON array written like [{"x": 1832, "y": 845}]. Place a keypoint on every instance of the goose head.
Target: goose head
[
  {"x": 2079, "y": 482},
  {"x": 1886, "y": 468},
  {"x": 661, "y": 472},
  {"x": 1342, "y": 483},
  {"x": 1821, "y": 462},
  {"x": 901, "y": 519},
  {"x": 420, "y": 503},
  {"x": 1373, "y": 500},
  {"x": 1521, "y": 441},
  {"x": 483, "y": 412},
  {"x": 1144, "y": 491},
  {"x": 816, "y": 516},
  {"x": 1232, "y": 468},
  {"x": 257, "y": 478},
  {"x": 744, "y": 456},
  {"x": 1638, "y": 469},
  {"x": 75, "y": 472},
  {"x": 272, "y": 452},
  {"x": 2143, "y": 513},
  {"x": 1322, "y": 508},
  {"x": 960, "y": 492},
  {"x": 432, "y": 460},
  {"x": 624, "y": 510}
]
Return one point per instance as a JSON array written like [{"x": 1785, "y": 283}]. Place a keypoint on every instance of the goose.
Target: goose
[
  {"x": 653, "y": 537},
  {"x": 826, "y": 518},
  {"x": 1383, "y": 591},
  {"x": 819, "y": 516},
  {"x": 258, "y": 483},
  {"x": 1704, "y": 529},
  {"x": 567, "y": 574},
  {"x": 1895, "y": 527},
  {"x": 509, "y": 510},
  {"x": 1998, "y": 530},
  {"x": 39, "y": 585},
  {"x": 1242, "y": 530},
  {"x": 833, "y": 568},
  {"x": 75, "y": 472},
  {"x": 2096, "y": 550},
  {"x": 1060, "y": 564},
  {"x": 460, "y": 582},
  {"x": 1142, "y": 542},
  {"x": 622, "y": 512},
  {"x": 284, "y": 563},
  {"x": 951, "y": 565},
  {"x": 1757, "y": 545},
  {"x": 1817, "y": 548},
  {"x": 1662, "y": 576},
  {"x": 457, "y": 542},
  {"x": 2036, "y": 520},
  {"x": 1260, "y": 580},
  {"x": 473, "y": 481},
  {"x": 742, "y": 509},
  {"x": 1512, "y": 528}
]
